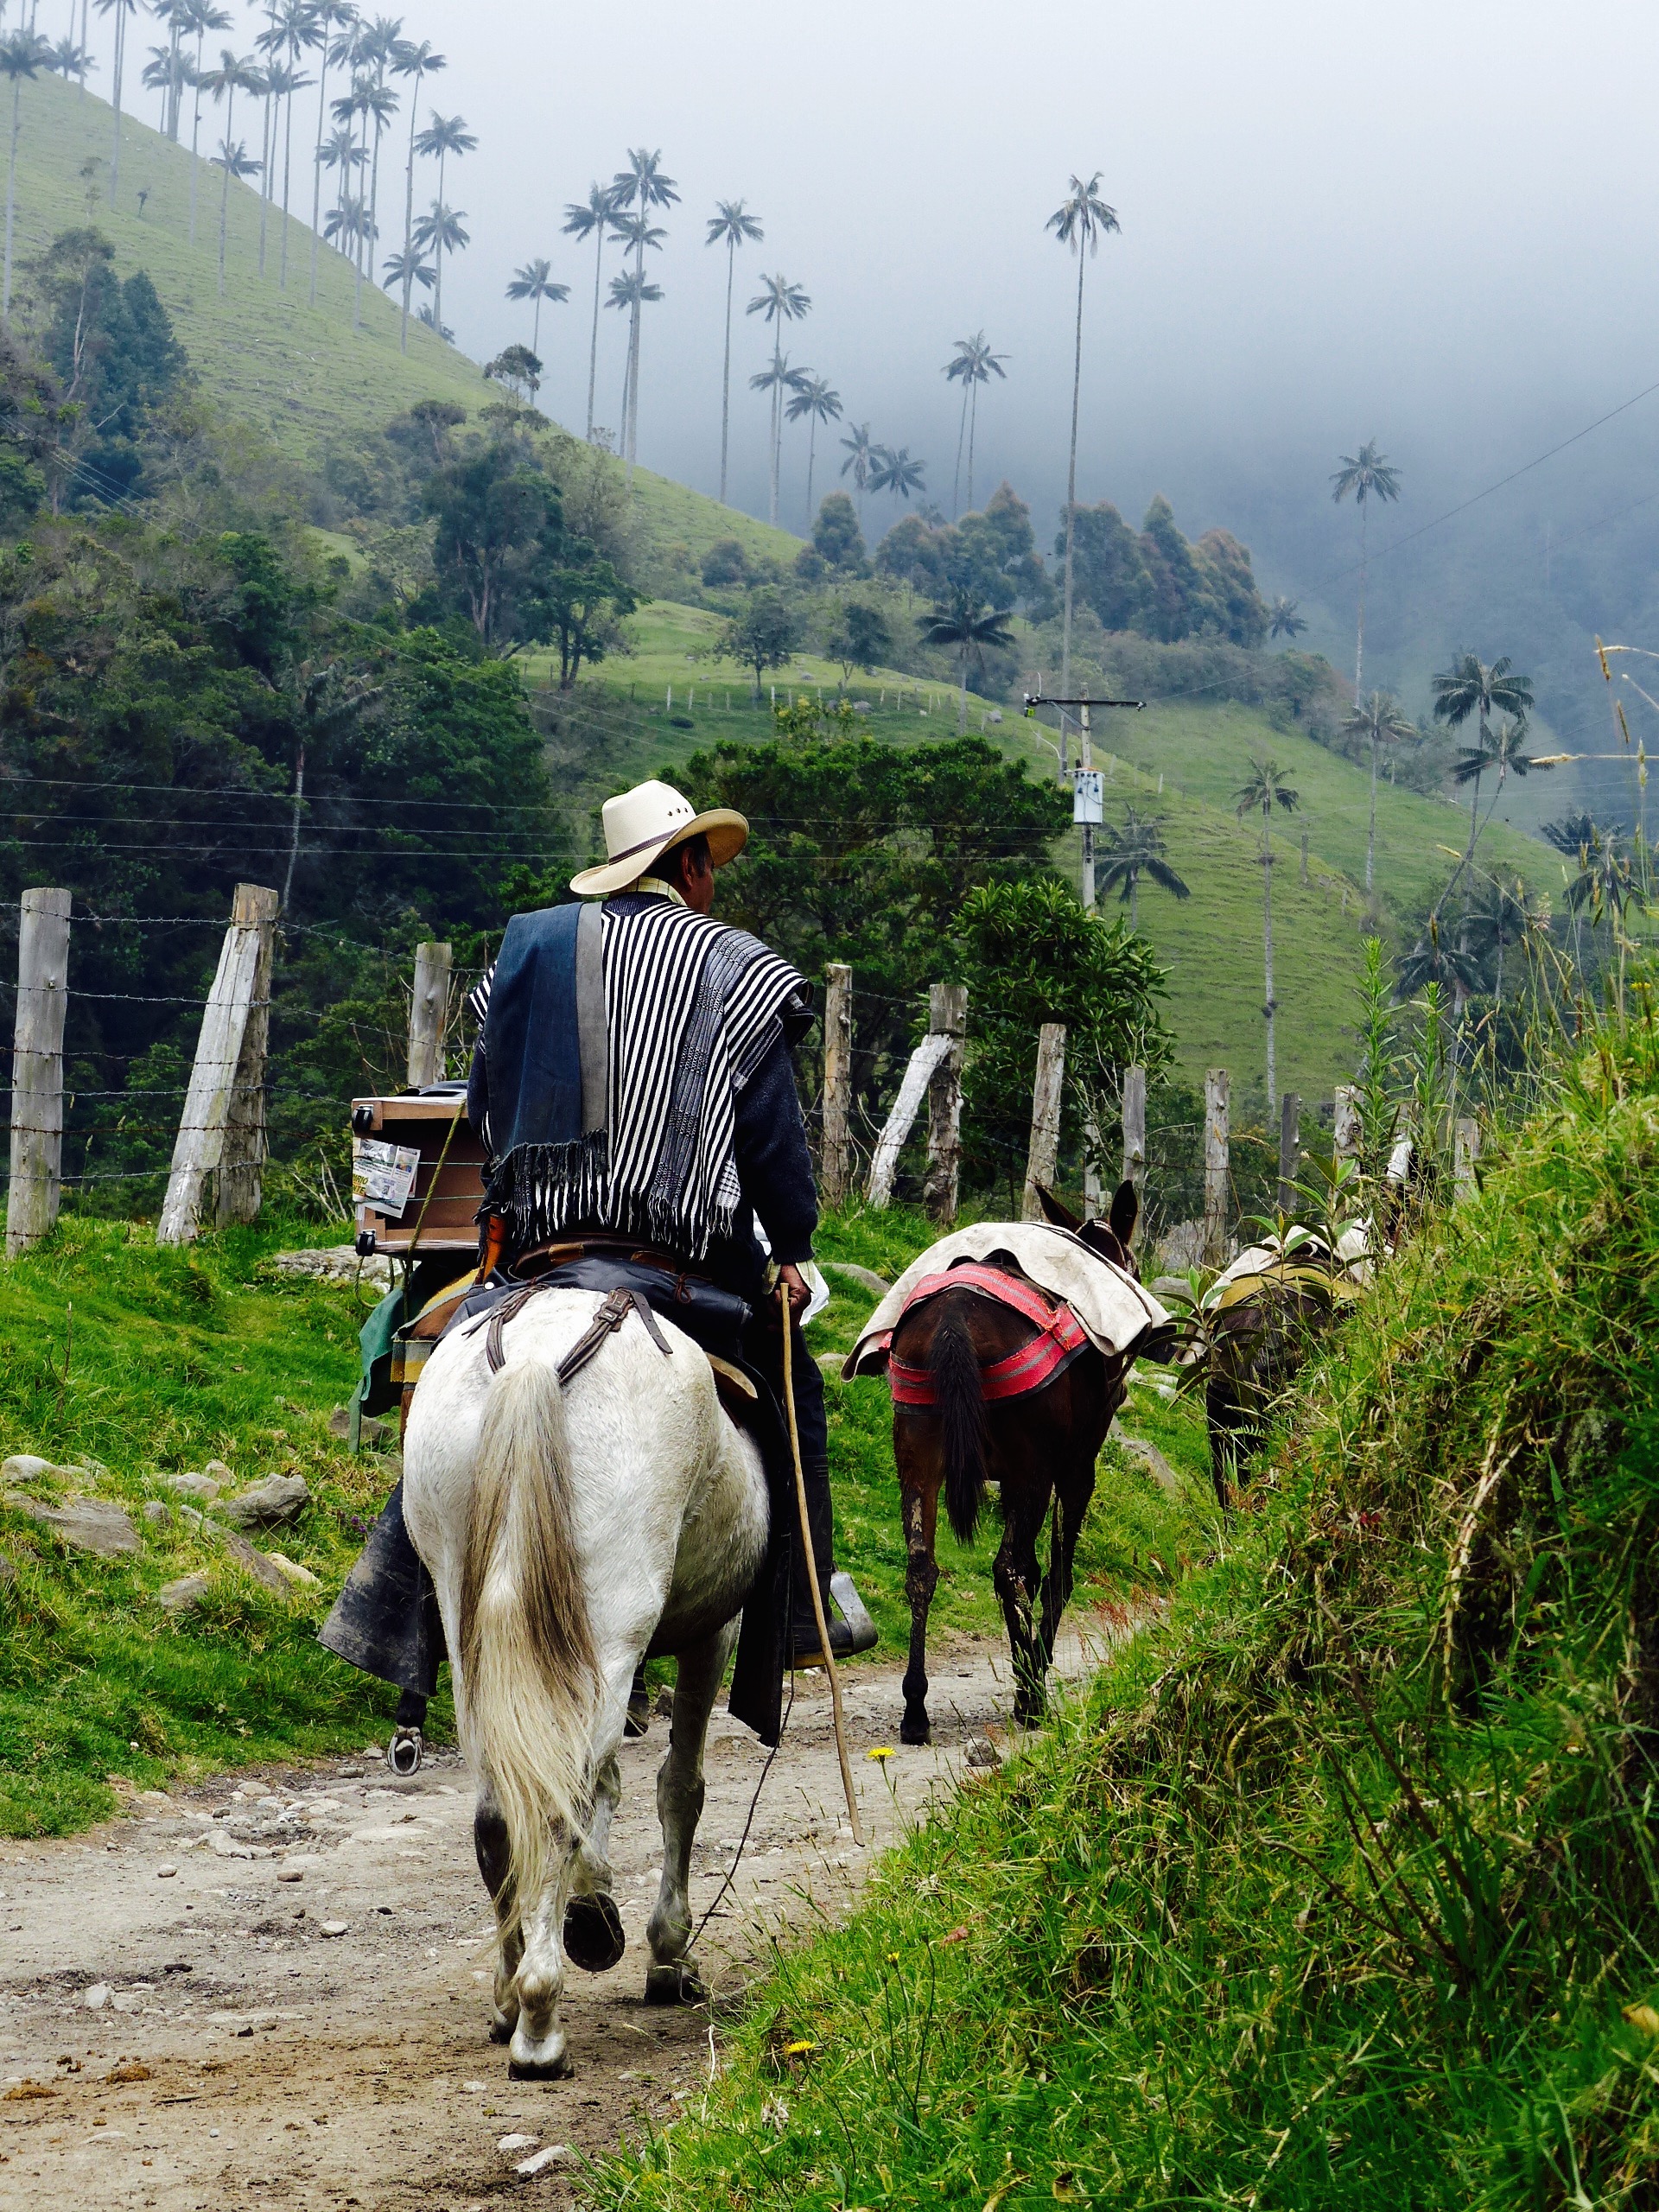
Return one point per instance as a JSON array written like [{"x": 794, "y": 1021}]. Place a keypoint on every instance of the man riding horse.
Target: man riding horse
[{"x": 634, "y": 1087}]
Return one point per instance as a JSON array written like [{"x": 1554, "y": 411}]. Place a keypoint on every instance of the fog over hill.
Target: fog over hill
[{"x": 1423, "y": 224}]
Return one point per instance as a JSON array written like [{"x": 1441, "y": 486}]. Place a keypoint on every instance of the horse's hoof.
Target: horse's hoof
[
  {"x": 915, "y": 1732},
  {"x": 678, "y": 1984},
  {"x": 556, "y": 2068},
  {"x": 1030, "y": 1714},
  {"x": 501, "y": 2028},
  {"x": 593, "y": 1934},
  {"x": 404, "y": 1752}
]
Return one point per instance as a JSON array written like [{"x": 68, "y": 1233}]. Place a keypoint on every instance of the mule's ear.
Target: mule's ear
[
  {"x": 1061, "y": 1216},
  {"x": 1124, "y": 1212}
]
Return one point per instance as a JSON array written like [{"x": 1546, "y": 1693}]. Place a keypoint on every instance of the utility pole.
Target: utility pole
[{"x": 1087, "y": 793}]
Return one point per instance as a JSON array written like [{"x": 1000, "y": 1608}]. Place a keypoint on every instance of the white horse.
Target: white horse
[{"x": 571, "y": 1531}]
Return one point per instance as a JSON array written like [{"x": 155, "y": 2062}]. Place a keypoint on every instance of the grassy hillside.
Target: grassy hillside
[
  {"x": 301, "y": 374},
  {"x": 149, "y": 1363},
  {"x": 1340, "y": 1888}
]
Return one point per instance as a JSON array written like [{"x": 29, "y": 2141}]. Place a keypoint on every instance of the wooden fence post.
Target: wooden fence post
[
  {"x": 837, "y": 1167},
  {"x": 243, "y": 1154},
  {"x": 1290, "y": 1147},
  {"x": 1346, "y": 1128},
  {"x": 1045, "y": 1115},
  {"x": 947, "y": 1016},
  {"x": 1217, "y": 1179},
  {"x": 919, "y": 1074},
  {"x": 428, "y": 1016},
  {"x": 220, "y": 1075},
  {"x": 1134, "y": 1129},
  {"x": 1465, "y": 1151},
  {"x": 37, "y": 1069}
]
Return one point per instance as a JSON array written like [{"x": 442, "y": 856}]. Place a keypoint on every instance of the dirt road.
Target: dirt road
[{"x": 271, "y": 1988}]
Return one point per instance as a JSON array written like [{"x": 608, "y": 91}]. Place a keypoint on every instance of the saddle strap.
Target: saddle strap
[{"x": 614, "y": 1310}]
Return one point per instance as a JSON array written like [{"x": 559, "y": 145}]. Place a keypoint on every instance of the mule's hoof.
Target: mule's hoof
[
  {"x": 593, "y": 1934},
  {"x": 405, "y": 1751},
  {"x": 678, "y": 1984},
  {"x": 1032, "y": 1714},
  {"x": 915, "y": 1732}
]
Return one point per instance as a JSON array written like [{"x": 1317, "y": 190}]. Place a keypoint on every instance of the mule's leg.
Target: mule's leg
[
  {"x": 1070, "y": 1502},
  {"x": 920, "y": 1508},
  {"x": 672, "y": 1977},
  {"x": 490, "y": 1842},
  {"x": 593, "y": 1927},
  {"x": 1017, "y": 1578}
]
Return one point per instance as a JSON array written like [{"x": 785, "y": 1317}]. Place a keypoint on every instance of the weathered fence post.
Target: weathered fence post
[
  {"x": 1465, "y": 1151},
  {"x": 919, "y": 1074},
  {"x": 243, "y": 1154},
  {"x": 1134, "y": 1129},
  {"x": 221, "y": 1074},
  {"x": 837, "y": 1081},
  {"x": 37, "y": 1069},
  {"x": 1290, "y": 1147},
  {"x": 1216, "y": 1180},
  {"x": 428, "y": 1016},
  {"x": 1045, "y": 1115},
  {"x": 1346, "y": 1127},
  {"x": 947, "y": 1016}
]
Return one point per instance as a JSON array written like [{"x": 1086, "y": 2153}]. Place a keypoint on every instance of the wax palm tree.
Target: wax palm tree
[
  {"x": 1379, "y": 722},
  {"x": 815, "y": 402},
  {"x": 120, "y": 9},
  {"x": 640, "y": 188},
  {"x": 966, "y": 626},
  {"x": 1283, "y": 620},
  {"x": 1265, "y": 789},
  {"x": 972, "y": 365},
  {"x": 167, "y": 72},
  {"x": 282, "y": 80},
  {"x": 1128, "y": 853},
  {"x": 1605, "y": 884},
  {"x": 633, "y": 228},
  {"x": 631, "y": 291},
  {"x": 893, "y": 470},
  {"x": 1080, "y": 222},
  {"x": 21, "y": 54},
  {"x": 1363, "y": 475},
  {"x": 591, "y": 218},
  {"x": 1500, "y": 915},
  {"x": 1436, "y": 959},
  {"x": 203, "y": 17},
  {"x": 235, "y": 73},
  {"x": 1470, "y": 687},
  {"x": 172, "y": 79},
  {"x": 321, "y": 21},
  {"x": 535, "y": 282},
  {"x": 730, "y": 225},
  {"x": 400, "y": 272},
  {"x": 778, "y": 301},
  {"x": 69, "y": 60},
  {"x": 418, "y": 62},
  {"x": 376, "y": 102},
  {"x": 445, "y": 135},
  {"x": 347, "y": 223},
  {"x": 858, "y": 450},
  {"x": 289, "y": 80},
  {"x": 380, "y": 46}
]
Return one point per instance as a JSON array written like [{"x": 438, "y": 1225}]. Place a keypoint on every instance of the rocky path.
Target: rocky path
[{"x": 271, "y": 1988}]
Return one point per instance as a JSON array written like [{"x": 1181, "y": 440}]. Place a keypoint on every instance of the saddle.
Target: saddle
[{"x": 1060, "y": 1337}]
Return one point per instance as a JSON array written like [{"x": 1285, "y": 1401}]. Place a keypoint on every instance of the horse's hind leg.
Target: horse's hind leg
[
  {"x": 593, "y": 1927},
  {"x": 920, "y": 1507},
  {"x": 672, "y": 1977},
  {"x": 490, "y": 1842},
  {"x": 1017, "y": 1578}
]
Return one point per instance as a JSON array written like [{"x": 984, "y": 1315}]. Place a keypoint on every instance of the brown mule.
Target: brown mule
[{"x": 1039, "y": 1448}]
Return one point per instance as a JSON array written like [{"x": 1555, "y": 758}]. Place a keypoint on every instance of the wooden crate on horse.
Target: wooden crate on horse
[{"x": 417, "y": 1174}]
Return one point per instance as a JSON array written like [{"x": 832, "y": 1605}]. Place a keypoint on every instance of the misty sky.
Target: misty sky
[{"x": 1427, "y": 223}]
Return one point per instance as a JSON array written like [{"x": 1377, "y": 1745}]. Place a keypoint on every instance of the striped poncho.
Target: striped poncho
[{"x": 692, "y": 1006}]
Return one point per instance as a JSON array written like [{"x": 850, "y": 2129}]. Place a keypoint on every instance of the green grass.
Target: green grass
[
  {"x": 300, "y": 374},
  {"x": 1339, "y": 1887},
  {"x": 152, "y": 1361}
]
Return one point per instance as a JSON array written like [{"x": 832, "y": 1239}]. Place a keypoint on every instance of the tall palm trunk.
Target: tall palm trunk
[
  {"x": 593, "y": 347},
  {"x": 195, "y": 136},
  {"x": 1269, "y": 1009},
  {"x": 1072, "y": 494},
  {"x": 266, "y": 165},
  {"x": 726, "y": 373},
  {"x": 811, "y": 456},
  {"x": 120, "y": 60},
  {"x": 11, "y": 192},
  {"x": 776, "y": 456},
  {"x": 175, "y": 86},
  {"x": 288, "y": 168},
  {"x": 84, "y": 6},
  {"x": 973, "y": 425},
  {"x": 956, "y": 474},
  {"x": 961, "y": 704},
  {"x": 1135, "y": 901},
  {"x": 317, "y": 182},
  {"x": 1371, "y": 835},
  {"x": 437, "y": 258},
  {"x": 409, "y": 213},
  {"x": 1359, "y": 642},
  {"x": 224, "y": 188}
]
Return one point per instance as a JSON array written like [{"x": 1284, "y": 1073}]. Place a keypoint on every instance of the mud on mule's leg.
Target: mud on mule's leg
[
  {"x": 1071, "y": 1503},
  {"x": 1017, "y": 1578},
  {"x": 490, "y": 1843},
  {"x": 921, "y": 1514},
  {"x": 672, "y": 1977}
]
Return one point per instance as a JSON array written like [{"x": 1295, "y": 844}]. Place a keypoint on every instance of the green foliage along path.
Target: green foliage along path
[
  {"x": 300, "y": 376},
  {"x": 1340, "y": 1887}
]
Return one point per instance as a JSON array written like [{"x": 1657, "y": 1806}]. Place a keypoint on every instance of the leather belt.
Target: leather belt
[{"x": 613, "y": 1311}]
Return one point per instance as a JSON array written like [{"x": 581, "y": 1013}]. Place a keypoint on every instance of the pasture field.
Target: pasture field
[
  {"x": 151, "y": 1362},
  {"x": 1337, "y": 1886}
]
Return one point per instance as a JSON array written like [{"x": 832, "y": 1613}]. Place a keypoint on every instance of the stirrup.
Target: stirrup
[{"x": 404, "y": 1752}]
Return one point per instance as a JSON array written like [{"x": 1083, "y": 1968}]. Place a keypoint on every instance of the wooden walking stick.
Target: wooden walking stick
[{"x": 812, "y": 1567}]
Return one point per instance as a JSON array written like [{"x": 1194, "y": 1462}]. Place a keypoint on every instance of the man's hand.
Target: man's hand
[{"x": 799, "y": 1295}]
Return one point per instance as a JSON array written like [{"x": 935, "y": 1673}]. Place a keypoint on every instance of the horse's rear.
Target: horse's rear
[{"x": 568, "y": 1529}]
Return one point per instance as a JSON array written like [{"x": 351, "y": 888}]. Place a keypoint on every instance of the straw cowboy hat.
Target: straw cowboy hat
[{"x": 641, "y": 825}]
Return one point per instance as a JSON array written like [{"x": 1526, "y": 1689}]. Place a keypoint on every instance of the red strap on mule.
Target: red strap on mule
[{"x": 1059, "y": 1339}]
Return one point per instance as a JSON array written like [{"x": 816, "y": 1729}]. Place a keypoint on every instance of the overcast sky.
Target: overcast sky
[{"x": 1429, "y": 221}]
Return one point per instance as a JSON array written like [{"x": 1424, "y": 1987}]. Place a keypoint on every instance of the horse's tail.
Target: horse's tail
[
  {"x": 954, "y": 1365},
  {"x": 528, "y": 1666}
]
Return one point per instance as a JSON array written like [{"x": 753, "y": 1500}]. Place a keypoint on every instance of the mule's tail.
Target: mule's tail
[
  {"x": 954, "y": 1365},
  {"x": 528, "y": 1667}
]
